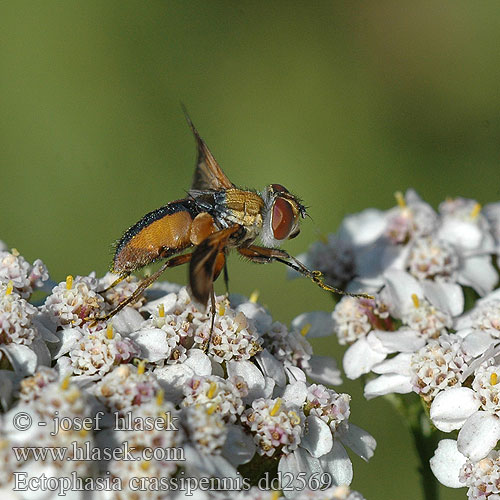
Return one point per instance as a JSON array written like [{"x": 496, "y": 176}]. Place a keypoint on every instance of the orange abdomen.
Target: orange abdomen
[{"x": 159, "y": 234}]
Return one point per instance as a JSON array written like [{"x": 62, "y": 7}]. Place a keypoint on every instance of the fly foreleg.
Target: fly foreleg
[{"x": 263, "y": 255}]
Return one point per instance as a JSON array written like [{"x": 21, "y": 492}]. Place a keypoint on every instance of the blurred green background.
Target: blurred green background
[{"x": 342, "y": 102}]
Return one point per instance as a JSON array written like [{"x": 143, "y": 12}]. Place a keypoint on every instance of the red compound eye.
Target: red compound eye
[
  {"x": 282, "y": 219},
  {"x": 278, "y": 188}
]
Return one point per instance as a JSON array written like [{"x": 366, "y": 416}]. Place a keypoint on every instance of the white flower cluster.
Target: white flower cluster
[
  {"x": 433, "y": 327},
  {"x": 235, "y": 399}
]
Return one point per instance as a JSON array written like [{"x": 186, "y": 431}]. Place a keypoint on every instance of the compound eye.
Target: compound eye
[
  {"x": 278, "y": 188},
  {"x": 283, "y": 218}
]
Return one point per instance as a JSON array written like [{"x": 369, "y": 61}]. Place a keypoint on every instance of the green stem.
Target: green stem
[{"x": 425, "y": 438}]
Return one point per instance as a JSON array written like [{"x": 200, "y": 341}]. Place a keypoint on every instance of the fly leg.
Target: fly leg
[
  {"x": 172, "y": 262},
  {"x": 117, "y": 280},
  {"x": 212, "y": 311},
  {"x": 226, "y": 278},
  {"x": 263, "y": 255}
]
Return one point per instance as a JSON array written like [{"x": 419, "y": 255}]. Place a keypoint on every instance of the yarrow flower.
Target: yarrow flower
[
  {"x": 116, "y": 294},
  {"x": 93, "y": 353},
  {"x": 437, "y": 366},
  {"x": 25, "y": 277},
  {"x": 73, "y": 301},
  {"x": 227, "y": 395},
  {"x": 217, "y": 395},
  {"x": 419, "y": 334},
  {"x": 126, "y": 387},
  {"x": 15, "y": 318},
  {"x": 275, "y": 427},
  {"x": 326, "y": 404},
  {"x": 20, "y": 341}
]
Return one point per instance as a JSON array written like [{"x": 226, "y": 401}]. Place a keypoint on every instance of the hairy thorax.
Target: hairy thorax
[{"x": 245, "y": 208}]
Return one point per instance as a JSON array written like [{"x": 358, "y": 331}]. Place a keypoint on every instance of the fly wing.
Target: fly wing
[
  {"x": 207, "y": 174},
  {"x": 203, "y": 261}
]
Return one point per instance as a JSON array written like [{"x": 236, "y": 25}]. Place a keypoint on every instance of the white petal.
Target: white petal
[
  {"x": 451, "y": 408},
  {"x": 491, "y": 352},
  {"x": 398, "y": 364},
  {"x": 252, "y": 375},
  {"x": 21, "y": 357},
  {"x": 167, "y": 300},
  {"x": 446, "y": 296},
  {"x": 239, "y": 447},
  {"x": 295, "y": 374},
  {"x": 43, "y": 328},
  {"x": 365, "y": 285},
  {"x": 319, "y": 323},
  {"x": 269, "y": 386},
  {"x": 460, "y": 233},
  {"x": 360, "y": 358},
  {"x": 477, "y": 342},
  {"x": 447, "y": 462},
  {"x": 6, "y": 387},
  {"x": 128, "y": 320},
  {"x": 258, "y": 314},
  {"x": 290, "y": 466},
  {"x": 295, "y": 393},
  {"x": 358, "y": 440},
  {"x": 199, "y": 362},
  {"x": 324, "y": 369},
  {"x": 478, "y": 273},
  {"x": 67, "y": 337},
  {"x": 479, "y": 435},
  {"x": 373, "y": 260},
  {"x": 172, "y": 379},
  {"x": 207, "y": 465},
  {"x": 338, "y": 464},
  {"x": 271, "y": 367},
  {"x": 400, "y": 287},
  {"x": 39, "y": 347},
  {"x": 318, "y": 439},
  {"x": 153, "y": 343},
  {"x": 385, "y": 384},
  {"x": 364, "y": 227},
  {"x": 404, "y": 340}
]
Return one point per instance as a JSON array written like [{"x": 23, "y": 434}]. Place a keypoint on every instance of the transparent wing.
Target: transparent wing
[{"x": 207, "y": 174}]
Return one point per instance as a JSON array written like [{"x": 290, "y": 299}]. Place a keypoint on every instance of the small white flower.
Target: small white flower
[
  {"x": 15, "y": 318},
  {"x": 430, "y": 258},
  {"x": 410, "y": 219},
  {"x": 74, "y": 300},
  {"x": 206, "y": 428},
  {"x": 482, "y": 477},
  {"x": 289, "y": 347},
  {"x": 437, "y": 366},
  {"x": 20, "y": 341},
  {"x": 25, "y": 277},
  {"x": 94, "y": 353},
  {"x": 233, "y": 337},
  {"x": 217, "y": 394},
  {"x": 32, "y": 388},
  {"x": 114, "y": 296},
  {"x": 126, "y": 387},
  {"x": 326, "y": 404},
  {"x": 352, "y": 319},
  {"x": 276, "y": 428}
]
